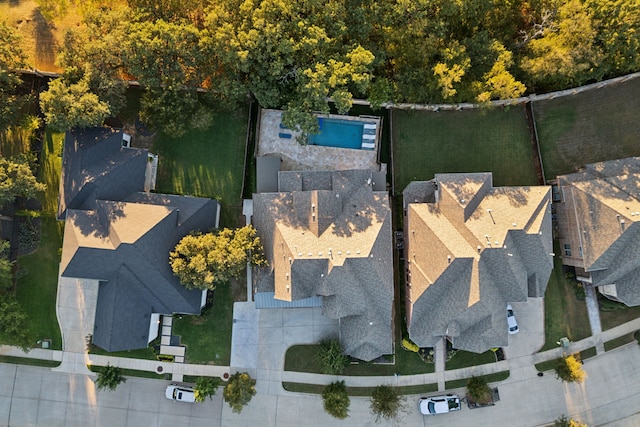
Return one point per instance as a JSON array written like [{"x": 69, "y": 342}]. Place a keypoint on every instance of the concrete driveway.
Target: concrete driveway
[{"x": 530, "y": 339}]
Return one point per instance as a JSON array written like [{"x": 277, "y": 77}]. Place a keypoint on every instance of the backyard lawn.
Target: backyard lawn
[
  {"x": 596, "y": 125},
  {"x": 483, "y": 140},
  {"x": 207, "y": 163},
  {"x": 564, "y": 314}
]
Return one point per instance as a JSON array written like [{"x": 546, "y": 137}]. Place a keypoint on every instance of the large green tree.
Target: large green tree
[
  {"x": 569, "y": 369},
  {"x": 203, "y": 261},
  {"x": 239, "y": 391},
  {"x": 16, "y": 179},
  {"x": 11, "y": 58}
]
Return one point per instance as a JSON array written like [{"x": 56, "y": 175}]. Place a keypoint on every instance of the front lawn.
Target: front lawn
[
  {"x": 564, "y": 314},
  {"x": 592, "y": 126},
  {"x": 208, "y": 336},
  {"x": 465, "y": 359},
  {"x": 483, "y": 140},
  {"x": 207, "y": 163}
]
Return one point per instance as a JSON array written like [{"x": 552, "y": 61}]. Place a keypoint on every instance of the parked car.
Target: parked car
[
  {"x": 511, "y": 320},
  {"x": 439, "y": 404},
  {"x": 180, "y": 393}
]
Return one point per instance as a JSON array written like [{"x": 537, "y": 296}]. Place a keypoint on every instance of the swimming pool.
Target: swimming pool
[{"x": 340, "y": 133}]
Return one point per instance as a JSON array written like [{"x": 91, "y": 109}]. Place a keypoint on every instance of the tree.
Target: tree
[
  {"x": 11, "y": 58},
  {"x": 569, "y": 369},
  {"x": 479, "y": 390},
  {"x": 203, "y": 261},
  {"x": 387, "y": 404},
  {"x": 206, "y": 387},
  {"x": 563, "y": 421},
  {"x": 331, "y": 357},
  {"x": 6, "y": 276},
  {"x": 16, "y": 179},
  {"x": 336, "y": 400},
  {"x": 15, "y": 328},
  {"x": 109, "y": 378},
  {"x": 68, "y": 105},
  {"x": 239, "y": 391}
]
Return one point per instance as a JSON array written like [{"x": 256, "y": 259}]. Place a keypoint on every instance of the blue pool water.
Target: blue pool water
[{"x": 338, "y": 133}]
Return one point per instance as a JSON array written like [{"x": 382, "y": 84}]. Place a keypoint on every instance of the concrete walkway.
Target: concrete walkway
[{"x": 594, "y": 314}]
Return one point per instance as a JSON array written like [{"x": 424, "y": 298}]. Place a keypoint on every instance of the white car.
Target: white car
[
  {"x": 439, "y": 404},
  {"x": 511, "y": 320},
  {"x": 180, "y": 393}
]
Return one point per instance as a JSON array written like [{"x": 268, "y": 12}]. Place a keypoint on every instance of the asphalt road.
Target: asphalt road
[{"x": 32, "y": 396}]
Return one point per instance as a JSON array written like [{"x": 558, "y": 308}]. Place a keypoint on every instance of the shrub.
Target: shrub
[
  {"x": 479, "y": 390},
  {"x": 409, "y": 345},
  {"x": 387, "y": 404},
  {"x": 206, "y": 387},
  {"x": 563, "y": 421},
  {"x": 569, "y": 369},
  {"x": 336, "y": 400},
  {"x": 331, "y": 357},
  {"x": 239, "y": 391},
  {"x": 110, "y": 378}
]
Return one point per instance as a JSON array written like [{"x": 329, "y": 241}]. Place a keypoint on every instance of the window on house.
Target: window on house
[
  {"x": 580, "y": 250},
  {"x": 567, "y": 249}
]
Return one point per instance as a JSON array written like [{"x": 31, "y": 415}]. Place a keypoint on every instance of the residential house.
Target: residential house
[
  {"x": 327, "y": 237},
  {"x": 598, "y": 216},
  {"x": 472, "y": 248},
  {"x": 120, "y": 236}
]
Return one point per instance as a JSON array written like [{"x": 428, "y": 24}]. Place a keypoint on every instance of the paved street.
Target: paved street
[{"x": 32, "y": 396}]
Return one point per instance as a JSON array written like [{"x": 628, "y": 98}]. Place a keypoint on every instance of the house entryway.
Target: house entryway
[{"x": 170, "y": 345}]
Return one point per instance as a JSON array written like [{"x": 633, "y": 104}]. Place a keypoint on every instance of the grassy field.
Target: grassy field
[
  {"x": 620, "y": 341},
  {"x": 564, "y": 314},
  {"x": 464, "y": 359},
  {"x": 29, "y": 362},
  {"x": 37, "y": 283},
  {"x": 207, "y": 163},
  {"x": 302, "y": 358},
  {"x": 491, "y": 378},
  {"x": 612, "y": 318},
  {"x": 597, "y": 125},
  {"x": 426, "y": 143},
  {"x": 40, "y": 39},
  {"x": 358, "y": 391}
]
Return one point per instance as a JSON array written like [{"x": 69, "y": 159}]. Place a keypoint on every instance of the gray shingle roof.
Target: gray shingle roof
[
  {"x": 329, "y": 234},
  {"x": 604, "y": 200},
  {"x": 469, "y": 254},
  {"x": 95, "y": 166}
]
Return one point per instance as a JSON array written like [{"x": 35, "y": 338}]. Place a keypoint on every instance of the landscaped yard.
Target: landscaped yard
[
  {"x": 359, "y": 391},
  {"x": 612, "y": 318},
  {"x": 564, "y": 314},
  {"x": 464, "y": 359},
  {"x": 484, "y": 140},
  {"x": 207, "y": 163},
  {"x": 596, "y": 125}
]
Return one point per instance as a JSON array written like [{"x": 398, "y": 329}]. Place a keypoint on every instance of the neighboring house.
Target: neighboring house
[
  {"x": 327, "y": 237},
  {"x": 598, "y": 213},
  {"x": 471, "y": 249},
  {"x": 121, "y": 237}
]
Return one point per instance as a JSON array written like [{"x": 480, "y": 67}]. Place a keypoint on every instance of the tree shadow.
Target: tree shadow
[{"x": 46, "y": 45}]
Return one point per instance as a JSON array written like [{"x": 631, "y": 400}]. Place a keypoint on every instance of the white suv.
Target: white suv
[{"x": 180, "y": 393}]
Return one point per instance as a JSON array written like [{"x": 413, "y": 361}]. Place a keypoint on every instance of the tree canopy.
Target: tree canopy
[
  {"x": 569, "y": 369},
  {"x": 239, "y": 391},
  {"x": 203, "y": 261},
  {"x": 16, "y": 179},
  {"x": 11, "y": 58},
  {"x": 336, "y": 400},
  {"x": 387, "y": 404}
]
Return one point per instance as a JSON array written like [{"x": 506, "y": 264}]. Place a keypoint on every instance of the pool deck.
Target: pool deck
[{"x": 313, "y": 157}]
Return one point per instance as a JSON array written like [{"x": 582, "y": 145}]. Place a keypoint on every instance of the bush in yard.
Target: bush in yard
[
  {"x": 387, "y": 404},
  {"x": 332, "y": 359},
  {"x": 479, "y": 390},
  {"x": 409, "y": 345},
  {"x": 239, "y": 391},
  {"x": 563, "y": 421},
  {"x": 110, "y": 378},
  {"x": 336, "y": 400},
  {"x": 206, "y": 387},
  {"x": 569, "y": 369}
]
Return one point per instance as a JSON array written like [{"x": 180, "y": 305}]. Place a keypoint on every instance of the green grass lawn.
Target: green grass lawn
[
  {"x": 564, "y": 314},
  {"x": 622, "y": 314},
  {"x": 207, "y": 163},
  {"x": 143, "y": 353},
  {"x": 37, "y": 282},
  {"x": 302, "y": 358},
  {"x": 464, "y": 359},
  {"x": 358, "y": 391},
  {"x": 491, "y": 378},
  {"x": 484, "y": 140},
  {"x": 620, "y": 341},
  {"x": 600, "y": 124},
  {"x": 208, "y": 336}
]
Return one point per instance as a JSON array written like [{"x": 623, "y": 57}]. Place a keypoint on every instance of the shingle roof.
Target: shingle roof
[
  {"x": 329, "y": 234},
  {"x": 126, "y": 246},
  {"x": 95, "y": 166},
  {"x": 605, "y": 200},
  {"x": 471, "y": 248}
]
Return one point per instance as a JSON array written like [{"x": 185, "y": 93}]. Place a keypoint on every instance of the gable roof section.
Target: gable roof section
[
  {"x": 126, "y": 246},
  {"x": 605, "y": 199},
  {"x": 95, "y": 166},
  {"x": 471, "y": 249},
  {"x": 329, "y": 234}
]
